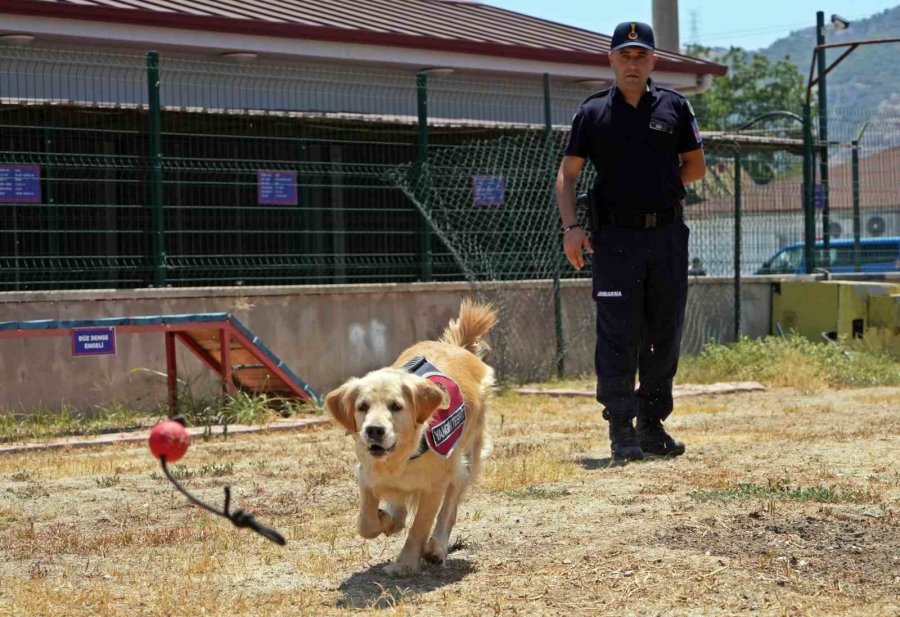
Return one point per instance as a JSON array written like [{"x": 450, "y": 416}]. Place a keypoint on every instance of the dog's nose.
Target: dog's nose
[{"x": 375, "y": 433}]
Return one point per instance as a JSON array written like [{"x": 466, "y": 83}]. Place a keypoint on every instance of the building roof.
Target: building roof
[
  {"x": 878, "y": 187},
  {"x": 459, "y": 26}
]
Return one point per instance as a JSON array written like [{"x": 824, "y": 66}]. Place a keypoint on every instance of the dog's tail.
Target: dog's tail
[{"x": 474, "y": 322}]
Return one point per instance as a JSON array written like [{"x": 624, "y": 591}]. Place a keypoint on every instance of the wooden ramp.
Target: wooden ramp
[{"x": 222, "y": 342}]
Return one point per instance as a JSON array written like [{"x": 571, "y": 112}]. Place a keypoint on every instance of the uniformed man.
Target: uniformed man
[{"x": 644, "y": 143}]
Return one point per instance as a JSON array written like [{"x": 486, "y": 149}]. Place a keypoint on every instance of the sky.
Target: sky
[{"x": 712, "y": 23}]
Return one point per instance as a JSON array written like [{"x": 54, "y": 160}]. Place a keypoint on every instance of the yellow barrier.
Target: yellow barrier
[{"x": 834, "y": 308}]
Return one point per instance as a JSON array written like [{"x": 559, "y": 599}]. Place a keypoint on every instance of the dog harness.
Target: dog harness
[{"x": 446, "y": 424}]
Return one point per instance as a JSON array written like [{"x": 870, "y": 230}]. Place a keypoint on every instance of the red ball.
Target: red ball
[{"x": 169, "y": 439}]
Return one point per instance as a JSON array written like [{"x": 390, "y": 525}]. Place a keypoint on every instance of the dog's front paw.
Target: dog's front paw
[
  {"x": 435, "y": 552},
  {"x": 401, "y": 568}
]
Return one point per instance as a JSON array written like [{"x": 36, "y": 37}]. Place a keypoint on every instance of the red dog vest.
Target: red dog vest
[{"x": 446, "y": 424}]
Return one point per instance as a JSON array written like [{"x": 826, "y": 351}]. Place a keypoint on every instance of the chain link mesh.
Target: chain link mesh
[{"x": 365, "y": 181}]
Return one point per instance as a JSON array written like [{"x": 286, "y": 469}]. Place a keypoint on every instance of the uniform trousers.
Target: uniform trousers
[{"x": 640, "y": 288}]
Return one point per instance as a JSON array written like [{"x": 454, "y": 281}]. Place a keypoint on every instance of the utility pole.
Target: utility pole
[{"x": 695, "y": 27}]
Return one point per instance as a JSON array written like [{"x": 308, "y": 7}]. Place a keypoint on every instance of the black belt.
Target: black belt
[{"x": 647, "y": 220}]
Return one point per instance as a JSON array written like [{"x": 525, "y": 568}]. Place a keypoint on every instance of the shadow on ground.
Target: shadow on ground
[
  {"x": 593, "y": 464},
  {"x": 372, "y": 588}
]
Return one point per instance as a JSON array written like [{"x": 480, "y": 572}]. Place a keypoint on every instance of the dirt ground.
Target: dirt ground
[{"x": 785, "y": 503}]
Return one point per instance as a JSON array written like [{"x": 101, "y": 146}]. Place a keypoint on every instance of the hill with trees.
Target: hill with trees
[{"x": 868, "y": 78}]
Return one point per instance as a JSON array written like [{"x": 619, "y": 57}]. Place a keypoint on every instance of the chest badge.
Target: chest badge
[{"x": 656, "y": 125}]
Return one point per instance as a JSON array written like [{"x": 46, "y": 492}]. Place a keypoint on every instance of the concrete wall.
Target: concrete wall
[{"x": 323, "y": 333}]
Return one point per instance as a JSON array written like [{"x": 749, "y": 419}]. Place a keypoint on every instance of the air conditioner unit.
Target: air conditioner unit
[
  {"x": 876, "y": 226},
  {"x": 873, "y": 224}
]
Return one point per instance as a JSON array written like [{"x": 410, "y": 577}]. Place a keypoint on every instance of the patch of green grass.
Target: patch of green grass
[
  {"x": 781, "y": 489},
  {"x": 32, "y": 490},
  {"x": 795, "y": 362},
  {"x": 107, "y": 481},
  {"x": 242, "y": 408},
  {"x": 50, "y": 423},
  {"x": 211, "y": 470},
  {"x": 534, "y": 492}
]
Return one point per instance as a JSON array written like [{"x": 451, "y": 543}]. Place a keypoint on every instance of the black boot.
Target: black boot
[
  {"x": 653, "y": 438},
  {"x": 622, "y": 439}
]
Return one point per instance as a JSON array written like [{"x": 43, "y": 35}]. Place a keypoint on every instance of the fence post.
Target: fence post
[
  {"x": 548, "y": 109},
  {"x": 857, "y": 257},
  {"x": 557, "y": 287},
  {"x": 809, "y": 215},
  {"x": 425, "y": 255},
  {"x": 823, "y": 132},
  {"x": 49, "y": 186},
  {"x": 737, "y": 245},
  {"x": 154, "y": 128}
]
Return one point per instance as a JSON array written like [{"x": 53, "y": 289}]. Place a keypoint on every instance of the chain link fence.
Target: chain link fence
[
  {"x": 860, "y": 198},
  {"x": 127, "y": 171}
]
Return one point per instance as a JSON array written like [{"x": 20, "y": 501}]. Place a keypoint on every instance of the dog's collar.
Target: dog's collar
[
  {"x": 412, "y": 366},
  {"x": 423, "y": 448}
]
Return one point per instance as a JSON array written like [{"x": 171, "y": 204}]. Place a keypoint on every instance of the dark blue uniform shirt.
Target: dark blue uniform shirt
[{"x": 635, "y": 149}]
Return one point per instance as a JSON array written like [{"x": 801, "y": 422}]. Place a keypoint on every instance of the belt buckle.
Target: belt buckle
[{"x": 650, "y": 220}]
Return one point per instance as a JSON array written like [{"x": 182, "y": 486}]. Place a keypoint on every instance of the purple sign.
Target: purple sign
[
  {"x": 487, "y": 190},
  {"x": 94, "y": 342},
  {"x": 819, "y": 197},
  {"x": 277, "y": 188},
  {"x": 20, "y": 184}
]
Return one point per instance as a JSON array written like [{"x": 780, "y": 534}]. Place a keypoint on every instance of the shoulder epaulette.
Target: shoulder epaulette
[
  {"x": 596, "y": 95},
  {"x": 675, "y": 92}
]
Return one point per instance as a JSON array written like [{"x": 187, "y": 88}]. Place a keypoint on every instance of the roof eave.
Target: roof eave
[{"x": 324, "y": 33}]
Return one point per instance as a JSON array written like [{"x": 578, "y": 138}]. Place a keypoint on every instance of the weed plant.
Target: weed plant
[
  {"x": 782, "y": 489},
  {"x": 795, "y": 361}
]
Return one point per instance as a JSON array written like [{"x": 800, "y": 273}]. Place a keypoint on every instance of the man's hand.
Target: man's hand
[{"x": 575, "y": 243}]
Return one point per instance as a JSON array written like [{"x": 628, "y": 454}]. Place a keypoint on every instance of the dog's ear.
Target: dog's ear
[
  {"x": 426, "y": 396},
  {"x": 341, "y": 404}
]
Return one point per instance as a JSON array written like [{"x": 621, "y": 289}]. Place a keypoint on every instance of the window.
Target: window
[
  {"x": 883, "y": 253},
  {"x": 826, "y": 259},
  {"x": 787, "y": 261}
]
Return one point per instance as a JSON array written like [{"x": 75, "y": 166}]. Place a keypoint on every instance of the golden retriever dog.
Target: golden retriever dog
[{"x": 419, "y": 432}]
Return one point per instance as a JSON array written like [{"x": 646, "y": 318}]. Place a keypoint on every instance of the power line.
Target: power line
[
  {"x": 753, "y": 31},
  {"x": 766, "y": 29}
]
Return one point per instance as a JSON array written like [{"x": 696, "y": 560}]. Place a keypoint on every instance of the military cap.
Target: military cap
[{"x": 632, "y": 34}]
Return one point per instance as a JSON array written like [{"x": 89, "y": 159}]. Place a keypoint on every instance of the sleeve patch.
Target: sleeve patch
[
  {"x": 696, "y": 130},
  {"x": 690, "y": 109}
]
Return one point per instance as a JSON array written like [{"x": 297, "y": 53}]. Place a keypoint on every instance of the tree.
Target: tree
[{"x": 752, "y": 87}]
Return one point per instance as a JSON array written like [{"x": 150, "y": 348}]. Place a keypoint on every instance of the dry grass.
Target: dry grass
[{"x": 787, "y": 503}]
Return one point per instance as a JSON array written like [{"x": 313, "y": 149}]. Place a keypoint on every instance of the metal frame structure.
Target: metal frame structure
[
  {"x": 818, "y": 57},
  {"x": 217, "y": 330}
]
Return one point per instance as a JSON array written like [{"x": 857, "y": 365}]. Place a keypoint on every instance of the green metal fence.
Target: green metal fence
[
  {"x": 125, "y": 171},
  {"x": 74, "y": 143}
]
